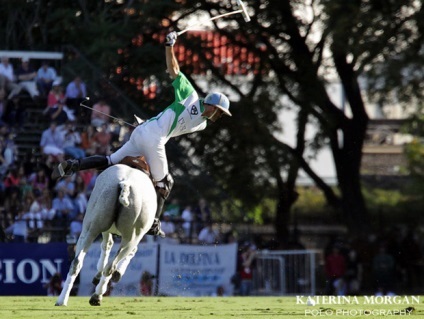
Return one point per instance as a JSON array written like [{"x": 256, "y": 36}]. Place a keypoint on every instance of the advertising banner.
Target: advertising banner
[
  {"x": 25, "y": 269},
  {"x": 129, "y": 285},
  {"x": 187, "y": 270}
]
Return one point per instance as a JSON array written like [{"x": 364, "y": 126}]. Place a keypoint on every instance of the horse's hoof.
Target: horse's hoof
[
  {"x": 116, "y": 276},
  {"x": 95, "y": 300},
  {"x": 59, "y": 304}
]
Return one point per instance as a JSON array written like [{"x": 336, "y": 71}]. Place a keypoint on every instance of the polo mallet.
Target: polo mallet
[
  {"x": 112, "y": 117},
  {"x": 242, "y": 10}
]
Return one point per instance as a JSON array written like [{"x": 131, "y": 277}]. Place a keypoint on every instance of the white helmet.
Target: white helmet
[{"x": 218, "y": 100}]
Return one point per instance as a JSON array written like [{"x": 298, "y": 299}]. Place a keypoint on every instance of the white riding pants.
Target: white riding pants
[{"x": 145, "y": 142}]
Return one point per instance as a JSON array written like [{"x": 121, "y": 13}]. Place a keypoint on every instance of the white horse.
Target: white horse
[{"x": 123, "y": 202}]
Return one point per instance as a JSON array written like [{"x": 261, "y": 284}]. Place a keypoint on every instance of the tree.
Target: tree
[
  {"x": 415, "y": 151},
  {"x": 301, "y": 48}
]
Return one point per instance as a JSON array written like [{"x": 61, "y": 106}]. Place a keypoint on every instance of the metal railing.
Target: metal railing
[{"x": 285, "y": 272}]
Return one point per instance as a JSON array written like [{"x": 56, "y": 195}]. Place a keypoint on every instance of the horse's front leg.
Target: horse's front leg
[{"x": 83, "y": 245}]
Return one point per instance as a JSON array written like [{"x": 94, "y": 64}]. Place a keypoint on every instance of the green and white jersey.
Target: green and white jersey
[{"x": 183, "y": 116}]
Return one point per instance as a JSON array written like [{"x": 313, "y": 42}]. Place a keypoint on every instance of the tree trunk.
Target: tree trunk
[
  {"x": 287, "y": 197},
  {"x": 348, "y": 168}
]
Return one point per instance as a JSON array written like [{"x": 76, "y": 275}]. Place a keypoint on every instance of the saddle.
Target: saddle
[{"x": 137, "y": 163}]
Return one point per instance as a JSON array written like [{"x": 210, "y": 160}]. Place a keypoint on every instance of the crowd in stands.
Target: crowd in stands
[
  {"x": 30, "y": 201},
  {"x": 384, "y": 264}
]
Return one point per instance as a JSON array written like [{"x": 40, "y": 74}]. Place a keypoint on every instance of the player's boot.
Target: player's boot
[{"x": 65, "y": 168}]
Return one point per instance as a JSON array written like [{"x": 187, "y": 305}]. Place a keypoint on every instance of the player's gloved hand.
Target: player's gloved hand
[{"x": 171, "y": 38}]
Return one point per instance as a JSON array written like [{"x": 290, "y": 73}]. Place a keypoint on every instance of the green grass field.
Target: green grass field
[{"x": 212, "y": 307}]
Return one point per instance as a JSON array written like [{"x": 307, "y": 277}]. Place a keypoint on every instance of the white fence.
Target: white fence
[{"x": 285, "y": 272}]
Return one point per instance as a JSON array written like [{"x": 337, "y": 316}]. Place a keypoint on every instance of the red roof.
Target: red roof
[{"x": 232, "y": 59}]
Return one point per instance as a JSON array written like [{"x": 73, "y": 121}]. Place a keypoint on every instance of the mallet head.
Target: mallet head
[{"x": 243, "y": 10}]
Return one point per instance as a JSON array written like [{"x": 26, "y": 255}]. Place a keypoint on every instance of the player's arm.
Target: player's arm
[{"x": 171, "y": 61}]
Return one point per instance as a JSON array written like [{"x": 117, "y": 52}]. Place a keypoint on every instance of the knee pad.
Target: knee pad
[{"x": 165, "y": 185}]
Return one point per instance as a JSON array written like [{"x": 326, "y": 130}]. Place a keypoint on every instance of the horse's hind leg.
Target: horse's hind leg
[
  {"x": 127, "y": 247},
  {"x": 122, "y": 265},
  {"x": 83, "y": 244},
  {"x": 106, "y": 247}
]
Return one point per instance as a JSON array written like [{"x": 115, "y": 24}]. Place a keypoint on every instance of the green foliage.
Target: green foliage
[
  {"x": 311, "y": 201},
  {"x": 414, "y": 150},
  {"x": 388, "y": 206},
  {"x": 415, "y": 154}
]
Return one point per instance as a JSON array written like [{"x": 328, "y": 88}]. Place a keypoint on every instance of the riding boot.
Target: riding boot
[
  {"x": 70, "y": 166},
  {"x": 155, "y": 230}
]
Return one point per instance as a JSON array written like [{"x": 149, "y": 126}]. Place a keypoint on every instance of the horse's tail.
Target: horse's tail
[{"x": 125, "y": 193}]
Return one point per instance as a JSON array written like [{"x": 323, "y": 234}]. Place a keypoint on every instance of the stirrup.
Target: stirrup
[
  {"x": 65, "y": 168},
  {"x": 155, "y": 229}
]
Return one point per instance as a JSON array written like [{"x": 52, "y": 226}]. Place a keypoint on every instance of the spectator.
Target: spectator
[
  {"x": 26, "y": 78},
  {"x": 51, "y": 143},
  {"x": 100, "y": 113},
  {"x": 47, "y": 211},
  {"x": 46, "y": 75},
  {"x": 63, "y": 207},
  {"x": 3, "y": 102},
  {"x": 76, "y": 92},
  {"x": 36, "y": 223},
  {"x": 202, "y": 214},
  {"x": 208, "y": 236},
  {"x": 92, "y": 181},
  {"x": 13, "y": 203},
  {"x": 220, "y": 292},
  {"x": 15, "y": 114},
  {"x": 384, "y": 269},
  {"x": 335, "y": 269},
  {"x": 7, "y": 76},
  {"x": 10, "y": 150},
  {"x": 75, "y": 228},
  {"x": 6, "y": 69},
  {"x": 353, "y": 272},
  {"x": 36, "y": 200},
  {"x": 88, "y": 143},
  {"x": 411, "y": 260},
  {"x": 4, "y": 166},
  {"x": 168, "y": 223},
  {"x": 87, "y": 176},
  {"x": 19, "y": 229},
  {"x": 173, "y": 209},
  {"x": 59, "y": 113},
  {"x": 56, "y": 94},
  {"x": 67, "y": 185},
  {"x": 25, "y": 188},
  {"x": 12, "y": 180},
  {"x": 55, "y": 285},
  {"x": 72, "y": 140},
  {"x": 102, "y": 139},
  {"x": 146, "y": 284},
  {"x": 245, "y": 267},
  {"x": 169, "y": 228},
  {"x": 81, "y": 203},
  {"x": 39, "y": 180},
  {"x": 187, "y": 218}
]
